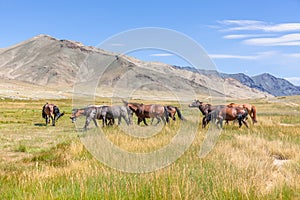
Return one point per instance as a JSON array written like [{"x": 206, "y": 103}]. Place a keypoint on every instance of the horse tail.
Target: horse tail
[
  {"x": 253, "y": 109},
  {"x": 179, "y": 114},
  {"x": 43, "y": 112},
  {"x": 166, "y": 114}
]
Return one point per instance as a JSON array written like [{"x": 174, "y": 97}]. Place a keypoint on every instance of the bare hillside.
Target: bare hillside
[{"x": 59, "y": 64}]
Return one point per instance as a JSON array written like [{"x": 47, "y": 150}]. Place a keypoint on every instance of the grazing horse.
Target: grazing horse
[
  {"x": 51, "y": 111},
  {"x": 205, "y": 109},
  {"x": 172, "y": 110},
  {"x": 250, "y": 108},
  {"x": 149, "y": 111},
  {"x": 228, "y": 114},
  {"x": 101, "y": 112}
]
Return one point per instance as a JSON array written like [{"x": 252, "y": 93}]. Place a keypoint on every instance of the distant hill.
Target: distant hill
[
  {"x": 263, "y": 82},
  {"x": 267, "y": 83},
  {"x": 276, "y": 86},
  {"x": 49, "y": 62}
]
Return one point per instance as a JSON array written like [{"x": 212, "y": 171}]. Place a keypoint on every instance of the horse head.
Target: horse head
[
  {"x": 134, "y": 107},
  {"x": 76, "y": 113},
  {"x": 196, "y": 103}
]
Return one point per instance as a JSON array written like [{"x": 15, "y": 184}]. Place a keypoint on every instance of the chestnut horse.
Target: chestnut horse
[
  {"x": 250, "y": 108},
  {"x": 51, "y": 111},
  {"x": 148, "y": 111},
  {"x": 228, "y": 114},
  {"x": 172, "y": 110}
]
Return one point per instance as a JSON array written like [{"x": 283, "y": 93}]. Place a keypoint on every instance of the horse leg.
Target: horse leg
[
  {"x": 87, "y": 122},
  {"x": 246, "y": 124},
  {"x": 126, "y": 120},
  {"x": 139, "y": 121},
  {"x": 104, "y": 122},
  {"x": 158, "y": 120},
  {"x": 119, "y": 120},
  {"x": 144, "y": 120},
  {"x": 46, "y": 118},
  {"x": 219, "y": 120},
  {"x": 221, "y": 123},
  {"x": 163, "y": 119},
  {"x": 240, "y": 123},
  {"x": 53, "y": 120},
  {"x": 95, "y": 122},
  {"x": 204, "y": 122},
  {"x": 152, "y": 119}
]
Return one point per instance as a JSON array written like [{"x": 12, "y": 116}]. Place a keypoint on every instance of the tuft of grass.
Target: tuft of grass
[{"x": 21, "y": 148}]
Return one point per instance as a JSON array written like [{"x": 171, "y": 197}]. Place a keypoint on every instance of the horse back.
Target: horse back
[{"x": 48, "y": 109}]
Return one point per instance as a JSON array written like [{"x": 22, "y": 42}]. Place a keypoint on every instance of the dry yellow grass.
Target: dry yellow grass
[{"x": 262, "y": 162}]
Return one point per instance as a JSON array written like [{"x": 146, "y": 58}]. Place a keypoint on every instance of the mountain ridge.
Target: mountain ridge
[
  {"x": 264, "y": 82},
  {"x": 49, "y": 62}
]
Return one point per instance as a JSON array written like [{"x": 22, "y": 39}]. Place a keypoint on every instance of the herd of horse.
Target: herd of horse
[{"x": 211, "y": 113}]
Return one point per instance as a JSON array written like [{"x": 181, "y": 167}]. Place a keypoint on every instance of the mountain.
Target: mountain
[
  {"x": 276, "y": 86},
  {"x": 47, "y": 62},
  {"x": 244, "y": 79},
  {"x": 263, "y": 82},
  {"x": 266, "y": 83}
]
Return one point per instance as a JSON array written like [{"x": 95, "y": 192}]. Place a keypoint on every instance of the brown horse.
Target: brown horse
[
  {"x": 250, "y": 108},
  {"x": 149, "y": 111},
  {"x": 172, "y": 110},
  {"x": 228, "y": 114},
  {"x": 51, "y": 111},
  {"x": 205, "y": 109}
]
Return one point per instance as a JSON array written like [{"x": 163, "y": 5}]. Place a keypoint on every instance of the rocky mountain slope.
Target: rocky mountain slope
[
  {"x": 60, "y": 64},
  {"x": 267, "y": 83}
]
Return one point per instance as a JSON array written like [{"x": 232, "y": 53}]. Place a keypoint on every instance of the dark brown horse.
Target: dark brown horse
[
  {"x": 172, "y": 110},
  {"x": 205, "y": 109},
  {"x": 51, "y": 111},
  {"x": 228, "y": 114},
  {"x": 250, "y": 108},
  {"x": 152, "y": 111}
]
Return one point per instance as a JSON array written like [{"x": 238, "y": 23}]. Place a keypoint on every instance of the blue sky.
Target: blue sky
[{"x": 251, "y": 37}]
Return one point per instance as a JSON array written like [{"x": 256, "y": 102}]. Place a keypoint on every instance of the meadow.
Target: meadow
[{"x": 46, "y": 162}]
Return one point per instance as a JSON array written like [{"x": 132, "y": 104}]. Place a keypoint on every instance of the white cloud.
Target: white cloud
[
  {"x": 285, "y": 40},
  {"x": 258, "y": 55},
  {"x": 243, "y": 36},
  {"x": 252, "y": 25},
  {"x": 240, "y": 22},
  {"x": 161, "y": 54},
  {"x": 228, "y": 56},
  {"x": 294, "y": 80},
  {"x": 294, "y": 55}
]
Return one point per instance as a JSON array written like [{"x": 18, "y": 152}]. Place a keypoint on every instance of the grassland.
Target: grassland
[{"x": 45, "y": 162}]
